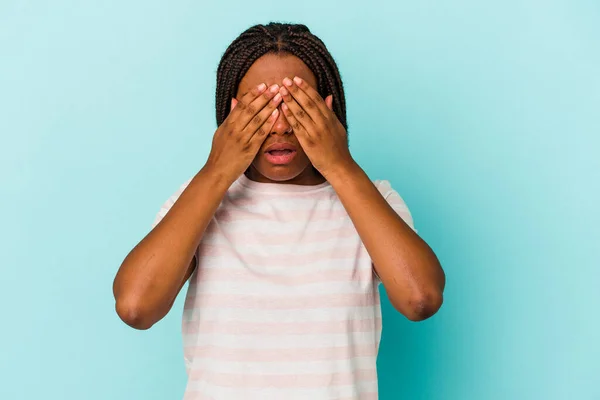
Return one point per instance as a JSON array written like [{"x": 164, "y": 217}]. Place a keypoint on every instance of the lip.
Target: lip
[
  {"x": 281, "y": 146},
  {"x": 281, "y": 159}
]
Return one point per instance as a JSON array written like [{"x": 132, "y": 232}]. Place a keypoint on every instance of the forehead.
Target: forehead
[{"x": 272, "y": 68}]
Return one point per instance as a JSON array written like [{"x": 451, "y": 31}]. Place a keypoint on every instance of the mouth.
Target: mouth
[{"x": 280, "y": 153}]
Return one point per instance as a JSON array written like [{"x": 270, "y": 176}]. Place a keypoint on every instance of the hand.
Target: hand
[
  {"x": 320, "y": 133},
  {"x": 237, "y": 141}
]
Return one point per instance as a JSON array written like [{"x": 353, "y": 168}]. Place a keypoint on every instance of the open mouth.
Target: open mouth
[
  {"x": 280, "y": 157},
  {"x": 280, "y": 152}
]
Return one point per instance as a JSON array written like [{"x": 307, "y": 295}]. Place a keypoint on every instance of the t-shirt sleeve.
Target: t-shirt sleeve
[
  {"x": 395, "y": 201},
  {"x": 166, "y": 206}
]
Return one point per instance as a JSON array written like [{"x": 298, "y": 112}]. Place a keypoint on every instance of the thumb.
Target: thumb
[
  {"x": 329, "y": 102},
  {"x": 233, "y": 103}
]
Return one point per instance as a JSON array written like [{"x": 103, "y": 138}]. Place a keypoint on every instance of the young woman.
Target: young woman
[{"x": 283, "y": 238}]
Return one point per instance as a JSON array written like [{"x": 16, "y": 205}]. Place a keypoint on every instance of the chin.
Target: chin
[{"x": 278, "y": 173}]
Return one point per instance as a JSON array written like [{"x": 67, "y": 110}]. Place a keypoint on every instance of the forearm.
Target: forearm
[
  {"x": 408, "y": 268},
  {"x": 152, "y": 274}
]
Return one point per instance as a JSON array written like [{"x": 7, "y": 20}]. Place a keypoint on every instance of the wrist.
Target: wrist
[
  {"x": 219, "y": 179},
  {"x": 342, "y": 173}
]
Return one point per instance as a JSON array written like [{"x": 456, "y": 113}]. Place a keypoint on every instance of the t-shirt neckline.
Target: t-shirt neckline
[{"x": 263, "y": 187}]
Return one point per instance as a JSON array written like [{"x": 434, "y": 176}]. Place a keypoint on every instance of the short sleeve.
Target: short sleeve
[
  {"x": 166, "y": 206},
  {"x": 395, "y": 201}
]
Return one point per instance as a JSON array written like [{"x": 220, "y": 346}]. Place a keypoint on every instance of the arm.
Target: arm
[
  {"x": 408, "y": 268},
  {"x": 154, "y": 272}
]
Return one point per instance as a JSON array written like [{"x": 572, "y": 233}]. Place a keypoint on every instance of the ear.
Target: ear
[
  {"x": 233, "y": 103},
  {"x": 329, "y": 102}
]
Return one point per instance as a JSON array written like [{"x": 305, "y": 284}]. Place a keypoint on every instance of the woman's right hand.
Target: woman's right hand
[{"x": 237, "y": 141}]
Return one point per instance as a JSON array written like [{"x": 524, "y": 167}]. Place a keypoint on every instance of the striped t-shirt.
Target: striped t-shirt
[{"x": 283, "y": 303}]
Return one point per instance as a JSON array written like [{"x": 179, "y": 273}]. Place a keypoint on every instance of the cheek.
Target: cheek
[{"x": 301, "y": 158}]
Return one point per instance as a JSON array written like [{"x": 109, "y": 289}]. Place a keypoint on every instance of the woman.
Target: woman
[{"x": 282, "y": 237}]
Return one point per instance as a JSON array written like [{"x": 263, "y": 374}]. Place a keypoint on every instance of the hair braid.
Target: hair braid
[{"x": 294, "y": 39}]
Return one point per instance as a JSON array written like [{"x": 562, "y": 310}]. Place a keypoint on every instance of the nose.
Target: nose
[{"x": 281, "y": 126}]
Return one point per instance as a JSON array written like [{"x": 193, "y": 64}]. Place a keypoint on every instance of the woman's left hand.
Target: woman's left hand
[{"x": 320, "y": 133}]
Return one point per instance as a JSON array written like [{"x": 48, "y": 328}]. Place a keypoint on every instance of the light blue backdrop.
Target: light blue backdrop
[{"x": 484, "y": 115}]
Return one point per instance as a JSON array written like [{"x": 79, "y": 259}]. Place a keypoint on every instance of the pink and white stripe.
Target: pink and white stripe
[{"x": 283, "y": 303}]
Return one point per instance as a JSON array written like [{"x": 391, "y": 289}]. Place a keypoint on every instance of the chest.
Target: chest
[{"x": 305, "y": 252}]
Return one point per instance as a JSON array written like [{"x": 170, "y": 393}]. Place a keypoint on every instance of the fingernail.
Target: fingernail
[
  {"x": 274, "y": 113},
  {"x": 284, "y": 107},
  {"x": 298, "y": 81},
  {"x": 274, "y": 88},
  {"x": 277, "y": 98},
  {"x": 284, "y": 91},
  {"x": 287, "y": 82},
  {"x": 261, "y": 87}
]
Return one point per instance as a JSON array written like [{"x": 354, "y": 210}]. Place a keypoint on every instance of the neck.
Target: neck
[{"x": 310, "y": 176}]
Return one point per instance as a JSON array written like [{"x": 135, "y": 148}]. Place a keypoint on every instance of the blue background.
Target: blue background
[{"x": 485, "y": 116}]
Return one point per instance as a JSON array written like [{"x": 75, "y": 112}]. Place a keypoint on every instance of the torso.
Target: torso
[{"x": 284, "y": 303}]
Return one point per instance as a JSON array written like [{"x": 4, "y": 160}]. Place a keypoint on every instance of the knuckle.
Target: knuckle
[
  {"x": 301, "y": 114},
  {"x": 256, "y": 120},
  {"x": 251, "y": 109},
  {"x": 296, "y": 125}
]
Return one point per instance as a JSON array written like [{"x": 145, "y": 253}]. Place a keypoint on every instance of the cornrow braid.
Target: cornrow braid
[{"x": 294, "y": 39}]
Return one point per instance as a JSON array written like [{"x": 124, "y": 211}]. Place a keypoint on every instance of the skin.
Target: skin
[
  {"x": 408, "y": 268},
  {"x": 153, "y": 273},
  {"x": 272, "y": 69},
  {"x": 268, "y": 107}
]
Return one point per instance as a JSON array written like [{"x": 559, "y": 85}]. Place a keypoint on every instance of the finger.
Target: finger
[
  {"x": 329, "y": 102},
  {"x": 259, "y": 119},
  {"x": 261, "y": 134},
  {"x": 298, "y": 112},
  {"x": 299, "y": 130},
  {"x": 313, "y": 94},
  {"x": 234, "y": 110},
  {"x": 252, "y": 116},
  {"x": 252, "y": 102},
  {"x": 304, "y": 100}
]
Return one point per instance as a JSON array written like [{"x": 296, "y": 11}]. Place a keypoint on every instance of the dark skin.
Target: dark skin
[
  {"x": 290, "y": 110},
  {"x": 272, "y": 69},
  {"x": 408, "y": 268}
]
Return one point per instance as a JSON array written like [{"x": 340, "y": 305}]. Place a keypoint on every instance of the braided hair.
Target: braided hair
[{"x": 278, "y": 38}]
